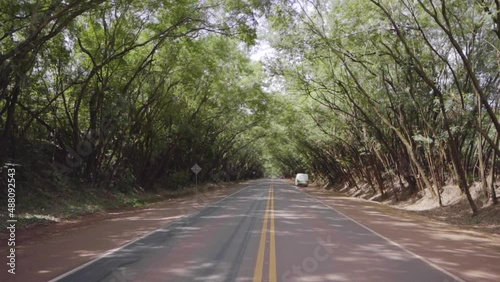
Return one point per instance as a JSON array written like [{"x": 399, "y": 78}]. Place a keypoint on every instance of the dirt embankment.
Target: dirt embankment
[
  {"x": 49, "y": 250},
  {"x": 455, "y": 209},
  {"x": 54, "y": 213}
]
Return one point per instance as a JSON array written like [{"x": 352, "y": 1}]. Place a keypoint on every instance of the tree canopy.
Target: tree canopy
[
  {"x": 111, "y": 90},
  {"x": 390, "y": 93},
  {"x": 393, "y": 92}
]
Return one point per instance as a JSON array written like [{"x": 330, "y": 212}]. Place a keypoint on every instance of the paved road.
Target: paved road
[{"x": 268, "y": 231}]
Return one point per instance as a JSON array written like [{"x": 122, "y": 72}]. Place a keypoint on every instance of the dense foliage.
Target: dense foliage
[
  {"x": 392, "y": 93},
  {"x": 122, "y": 92},
  {"x": 399, "y": 94}
]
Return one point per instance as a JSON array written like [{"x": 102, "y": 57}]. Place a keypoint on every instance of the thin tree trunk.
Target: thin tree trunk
[
  {"x": 482, "y": 173},
  {"x": 493, "y": 194}
]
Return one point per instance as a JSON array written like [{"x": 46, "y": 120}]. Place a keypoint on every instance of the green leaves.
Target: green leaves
[
  {"x": 169, "y": 75},
  {"x": 386, "y": 84}
]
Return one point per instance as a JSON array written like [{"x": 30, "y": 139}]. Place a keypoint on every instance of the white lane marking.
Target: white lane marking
[
  {"x": 144, "y": 236},
  {"x": 435, "y": 266}
]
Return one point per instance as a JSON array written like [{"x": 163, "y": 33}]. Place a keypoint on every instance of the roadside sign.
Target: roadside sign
[{"x": 196, "y": 169}]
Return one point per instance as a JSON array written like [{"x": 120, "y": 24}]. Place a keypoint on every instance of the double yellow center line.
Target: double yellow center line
[{"x": 268, "y": 217}]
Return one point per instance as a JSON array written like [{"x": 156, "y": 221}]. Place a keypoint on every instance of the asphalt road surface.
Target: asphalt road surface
[{"x": 268, "y": 231}]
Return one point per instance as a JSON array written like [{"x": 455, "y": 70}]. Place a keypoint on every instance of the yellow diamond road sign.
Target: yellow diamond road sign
[{"x": 196, "y": 169}]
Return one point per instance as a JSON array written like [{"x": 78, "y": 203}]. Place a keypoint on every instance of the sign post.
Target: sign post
[{"x": 196, "y": 169}]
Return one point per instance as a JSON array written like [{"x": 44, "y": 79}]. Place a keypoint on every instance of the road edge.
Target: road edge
[
  {"x": 428, "y": 262},
  {"x": 109, "y": 252}
]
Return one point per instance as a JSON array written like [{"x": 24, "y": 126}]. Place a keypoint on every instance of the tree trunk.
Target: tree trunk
[
  {"x": 493, "y": 194},
  {"x": 482, "y": 173}
]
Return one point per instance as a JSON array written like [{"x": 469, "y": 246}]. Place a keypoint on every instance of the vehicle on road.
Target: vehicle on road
[{"x": 302, "y": 179}]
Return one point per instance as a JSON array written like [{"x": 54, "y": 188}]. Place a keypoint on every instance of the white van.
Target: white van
[{"x": 302, "y": 179}]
